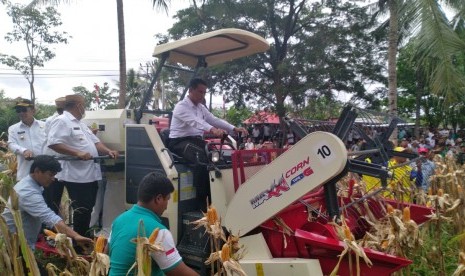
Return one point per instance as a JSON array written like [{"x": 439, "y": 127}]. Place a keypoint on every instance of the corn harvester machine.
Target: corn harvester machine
[{"x": 302, "y": 225}]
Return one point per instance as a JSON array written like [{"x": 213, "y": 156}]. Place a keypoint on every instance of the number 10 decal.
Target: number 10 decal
[{"x": 324, "y": 151}]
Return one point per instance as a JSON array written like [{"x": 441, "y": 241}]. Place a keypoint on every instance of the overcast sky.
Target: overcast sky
[{"x": 91, "y": 56}]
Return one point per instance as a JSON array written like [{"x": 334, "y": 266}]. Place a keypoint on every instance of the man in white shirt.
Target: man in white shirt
[
  {"x": 266, "y": 132},
  {"x": 52, "y": 193},
  {"x": 70, "y": 137},
  {"x": 60, "y": 108},
  {"x": 290, "y": 138},
  {"x": 256, "y": 134},
  {"x": 191, "y": 119},
  {"x": 26, "y": 138},
  {"x": 249, "y": 145}
]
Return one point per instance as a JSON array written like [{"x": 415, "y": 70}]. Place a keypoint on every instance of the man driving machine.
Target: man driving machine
[{"x": 191, "y": 120}]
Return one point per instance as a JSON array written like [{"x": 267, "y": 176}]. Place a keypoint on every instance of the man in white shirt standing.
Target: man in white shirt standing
[
  {"x": 249, "y": 145},
  {"x": 26, "y": 138},
  {"x": 266, "y": 132},
  {"x": 52, "y": 193},
  {"x": 69, "y": 136},
  {"x": 60, "y": 108}
]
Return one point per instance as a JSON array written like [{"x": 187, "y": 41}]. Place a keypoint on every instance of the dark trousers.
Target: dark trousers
[
  {"x": 52, "y": 195},
  {"x": 189, "y": 148},
  {"x": 192, "y": 148},
  {"x": 82, "y": 195}
]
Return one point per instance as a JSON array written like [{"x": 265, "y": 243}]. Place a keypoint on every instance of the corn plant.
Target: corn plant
[{"x": 223, "y": 258}]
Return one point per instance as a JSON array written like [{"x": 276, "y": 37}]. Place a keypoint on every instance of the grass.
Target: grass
[{"x": 426, "y": 260}]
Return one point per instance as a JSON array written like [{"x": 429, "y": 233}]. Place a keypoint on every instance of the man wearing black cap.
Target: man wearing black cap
[{"x": 26, "y": 137}]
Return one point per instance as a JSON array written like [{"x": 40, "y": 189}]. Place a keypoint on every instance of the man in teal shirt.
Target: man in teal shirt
[{"x": 153, "y": 196}]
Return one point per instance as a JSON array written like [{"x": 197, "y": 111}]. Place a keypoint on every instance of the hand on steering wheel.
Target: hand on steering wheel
[{"x": 217, "y": 132}]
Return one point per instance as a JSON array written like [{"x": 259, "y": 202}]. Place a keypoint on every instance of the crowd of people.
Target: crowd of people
[
  {"x": 262, "y": 141},
  {"x": 415, "y": 175}
]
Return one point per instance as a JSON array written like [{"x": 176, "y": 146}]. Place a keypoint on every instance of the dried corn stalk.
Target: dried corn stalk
[
  {"x": 144, "y": 248},
  {"x": 100, "y": 261},
  {"x": 351, "y": 247}
]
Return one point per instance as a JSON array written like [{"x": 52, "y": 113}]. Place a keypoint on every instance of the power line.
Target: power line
[
  {"x": 70, "y": 70},
  {"x": 45, "y": 75}
]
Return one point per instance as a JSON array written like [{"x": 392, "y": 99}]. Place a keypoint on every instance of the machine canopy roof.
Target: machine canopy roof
[{"x": 215, "y": 47}]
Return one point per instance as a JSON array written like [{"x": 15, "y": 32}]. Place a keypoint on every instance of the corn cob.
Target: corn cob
[
  {"x": 154, "y": 235},
  {"x": 389, "y": 208},
  {"x": 100, "y": 244},
  {"x": 50, "y": 234},
  {"x": 384, "y": 244},
  {"x": 212, "y": 215},
  {"x": 225, "y": 252},
  {"x": 406, "y": 214}
]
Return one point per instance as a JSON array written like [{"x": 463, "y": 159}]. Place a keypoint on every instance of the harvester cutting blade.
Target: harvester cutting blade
[{"x": 313, "y": 161}]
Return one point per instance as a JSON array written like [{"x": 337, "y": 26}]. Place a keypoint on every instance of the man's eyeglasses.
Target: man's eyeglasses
[{"x": 21, "y": 109}]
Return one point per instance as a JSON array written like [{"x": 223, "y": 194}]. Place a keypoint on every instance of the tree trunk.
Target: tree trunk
[
  {"x": 31, "y": 83},
  {"x": 418, "y": 94},
  {"x": 122, "y": 55},
  {"x": 33, "y": 93},
  {"x": 392, "y": 62}
]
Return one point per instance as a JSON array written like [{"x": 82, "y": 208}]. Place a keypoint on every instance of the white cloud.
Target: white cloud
[{"x": 91, "y": 56}]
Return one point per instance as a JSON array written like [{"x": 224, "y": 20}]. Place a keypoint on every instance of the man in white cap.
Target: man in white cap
[
  {"x": 60, "y": 105},
  {"x": 69, "y": 136},
  {"x": 26, "y": 137}
]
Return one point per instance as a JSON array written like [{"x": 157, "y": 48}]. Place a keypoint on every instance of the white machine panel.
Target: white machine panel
[
  {"x": 280, "y": 267},
  {"x": 313, "y": 161},
  {"x": 111, "y": 126}
]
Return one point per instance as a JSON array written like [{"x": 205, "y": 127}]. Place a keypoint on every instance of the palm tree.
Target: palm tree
[
  {"x": 159, "y": 4},
  {"x": 438, "y": 43},
  {"x": 121, "y": 54}
]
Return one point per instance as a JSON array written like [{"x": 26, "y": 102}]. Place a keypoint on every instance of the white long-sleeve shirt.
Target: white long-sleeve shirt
[
  {"x": 22, "y": 137},
  {"x": 193, "y": 120},
  {"x": 48, "y": 122},
  {"x": 66, "y": 129}
]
